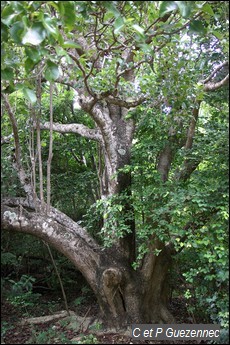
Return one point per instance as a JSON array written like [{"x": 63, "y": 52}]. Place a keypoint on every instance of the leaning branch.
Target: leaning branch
[
  {"x": 62, "y": 237},
  {"x": 54, "y": 214},
  {"x": 190, "y": 165}
]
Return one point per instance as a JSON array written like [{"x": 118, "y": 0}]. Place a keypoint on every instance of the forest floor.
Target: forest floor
[{"x": 59, "y": 332}]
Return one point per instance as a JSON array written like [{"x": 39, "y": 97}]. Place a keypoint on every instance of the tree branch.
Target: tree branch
[
  {"x": 85, "y": 76},
  {"x": 62, "y": 80},
  {"x": 125, "y": 104},
  {"x": 214, "y": 86},
  {"x": 189, "y": 165},
  {"x": 74, "y": 128},
  {"x": 223, "y": 64},
  {"x": 191, "y": 130},
  {"x": 164, "y": 161},
  {"x": 68, "y": 242},
  {"x": 55, "y": 214},
  {"x": 38, "y": 129}
]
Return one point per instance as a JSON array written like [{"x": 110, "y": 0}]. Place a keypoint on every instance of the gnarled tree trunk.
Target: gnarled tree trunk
[{"x": 125, "y": 296}]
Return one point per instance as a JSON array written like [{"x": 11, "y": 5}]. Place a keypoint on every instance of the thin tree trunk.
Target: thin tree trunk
[
  {"x": 38, "y": 116},
  {"x": 59, "y": 277},
  {"x": 50, "y": 150}
]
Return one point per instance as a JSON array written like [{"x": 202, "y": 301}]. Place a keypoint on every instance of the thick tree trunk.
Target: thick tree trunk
[
  {"x": 127, "y": 296},
  {"x": 116, "y": 143}
]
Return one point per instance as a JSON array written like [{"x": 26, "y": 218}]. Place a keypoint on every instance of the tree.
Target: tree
[{"x": 124, "y": 59}]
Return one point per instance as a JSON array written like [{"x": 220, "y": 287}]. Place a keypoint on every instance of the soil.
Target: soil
[{"x": 58, "y": 332}]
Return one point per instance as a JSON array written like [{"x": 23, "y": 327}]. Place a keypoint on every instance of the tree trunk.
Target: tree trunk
[
  {"x": 116, "y": 143},
  {"x": 125, "y": 296}
]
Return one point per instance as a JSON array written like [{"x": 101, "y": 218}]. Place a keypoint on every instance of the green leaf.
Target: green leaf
[
  {"x": 29, "y": 64},
  {"x": 70, "y": 14},
  {"x": 29, "y": 94},
  {"x": 197, "y": 27},
  {"x": 16, "y": 31},
  {"x": 4, "y": 32},
  {"x": 51, "y": 72},
  {"x": 8, "y": 14},
  {"x": 19, "y": 86},
  {"x": 34, "y": 35},
  {"x": 49, "y": 25},
  {"x": 60, "y": 39},
  {"x": 184, "y": 7},
  {"x": 7, "y": 73},
  {"x": 138, "y": 29},
  {"x": 119, "y": 207},
  {"x": 111, "y": 8},
  {"x": 118, "y": 24},
  {"x": 61, "y": 52},
  {"x": 33, "y": 54},
  {"x": 70, "y": 44},
  {"x": 166, "y": 7},
  {"x": 217, "y": 34},
  {"x": 55, "y": 5},
  {"x": 207, "y": 9},
  {"x": 60, "y": 6}
]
